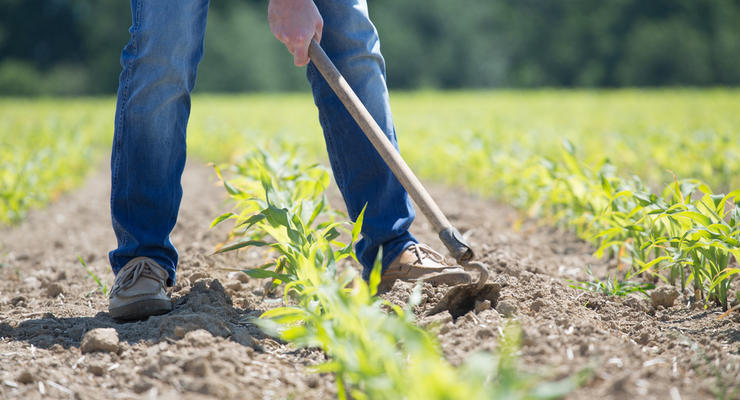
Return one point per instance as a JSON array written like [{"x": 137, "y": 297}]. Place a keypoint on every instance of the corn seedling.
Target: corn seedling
[
  {"x": 375, "y": 353},
  {"x": 612, "y": 286},
  {"x": 46, "y": 147},
  {"x": 102, "y": 287}
]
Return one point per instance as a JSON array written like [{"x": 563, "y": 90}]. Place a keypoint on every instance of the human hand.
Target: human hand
[{"x": 295, "y": 23}]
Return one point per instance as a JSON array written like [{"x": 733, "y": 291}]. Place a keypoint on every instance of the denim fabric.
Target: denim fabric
[{"x": 159, "y": 68}]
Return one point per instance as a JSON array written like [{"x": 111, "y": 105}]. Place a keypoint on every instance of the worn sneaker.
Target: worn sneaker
[
  {"x": 138, "y": 291},
  {"x": 420, "y": 262}
]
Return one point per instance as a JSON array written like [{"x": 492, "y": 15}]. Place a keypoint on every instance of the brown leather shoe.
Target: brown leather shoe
[
  {"x": 138, "y": 291},
  {"x": 420, "y": 262}
]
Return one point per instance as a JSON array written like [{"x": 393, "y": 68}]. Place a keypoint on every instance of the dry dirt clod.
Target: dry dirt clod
[
  {"x": 239, "y": 276},
  {"x": 484, "y": 333},
  {"x": 18, "y": 301},
  {"x": 96, "y": 370},
  {"x": 664, "y": 296},
  {"x": 100, "y": 339},
  {"x": 437, "y": 319},
  {"x": 197, "y": 367},
  {"x": 198, "y": 276},
  {"x": 142, "y": 386},
  {"x": 199, "y": 338},
  {"x": 507, "y": 308},
  {"x": 53, "y": 290},
  {"x": 482, "y": 305}
]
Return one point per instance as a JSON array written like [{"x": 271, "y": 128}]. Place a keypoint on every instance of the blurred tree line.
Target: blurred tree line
[{"x": 70, "y": 47}]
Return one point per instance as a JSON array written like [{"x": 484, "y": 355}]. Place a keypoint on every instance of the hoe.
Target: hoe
[{"x": 460, "y": 297}]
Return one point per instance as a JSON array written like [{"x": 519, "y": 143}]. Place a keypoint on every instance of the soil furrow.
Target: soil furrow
[{"x": 207, "y": 347}]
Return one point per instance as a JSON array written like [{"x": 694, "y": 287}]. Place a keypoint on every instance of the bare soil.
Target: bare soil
[{"x": 207, "y": 347}]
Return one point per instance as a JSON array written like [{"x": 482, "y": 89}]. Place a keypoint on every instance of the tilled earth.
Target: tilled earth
[{"x": 51, "y": 309}]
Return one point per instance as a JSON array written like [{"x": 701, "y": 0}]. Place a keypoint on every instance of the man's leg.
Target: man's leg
[
  {"x": 159, "y": 67},
  {"x": 351, "y": 41}
]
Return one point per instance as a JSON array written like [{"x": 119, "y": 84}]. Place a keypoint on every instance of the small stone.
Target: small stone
[
  {"x": 235, "y": 286},
  {"x": 507, "y": 308},
  {"x": 100, "y": 339},
  {"x": 482, "y": 305},
  {"x": 53, "y": 290},
  {"x": 664, "y": 296},
  {"x": 26, "y": 377}
]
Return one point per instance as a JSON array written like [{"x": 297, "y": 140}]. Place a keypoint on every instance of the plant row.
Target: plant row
[
  {"x": 375, "y": 348},
  {"x": 684, "y": 234},
  {"x": 46, "y": 148}
]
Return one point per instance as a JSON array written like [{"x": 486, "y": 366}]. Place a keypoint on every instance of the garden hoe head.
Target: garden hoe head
[{"x": 460, "y": 298}]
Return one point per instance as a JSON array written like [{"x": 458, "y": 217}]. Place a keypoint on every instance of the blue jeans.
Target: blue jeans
[{"x": 159, "y": 68}]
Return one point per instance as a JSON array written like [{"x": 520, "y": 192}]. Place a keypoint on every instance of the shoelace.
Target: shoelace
[
  {"x": 421, "y": 251},
  {"x": 138, "y": 267}
]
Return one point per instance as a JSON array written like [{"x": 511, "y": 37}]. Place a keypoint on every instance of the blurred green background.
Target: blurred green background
[{"x": 72, "y": 47}]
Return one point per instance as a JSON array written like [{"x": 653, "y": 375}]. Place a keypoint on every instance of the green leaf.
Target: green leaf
[
  {"x": 331, "y": 234},
  {"x": 276, "y": 216},
  {"x": 357, "y": 228},
  {"x": 278, "y": 312},
  {"x": 242, "y": 244},
  {"x": 231, "y": 189},
  {"x": 375, "y": 274},
  {"x": 259, "y": 273},
  {"x": 221, "y": 218}
]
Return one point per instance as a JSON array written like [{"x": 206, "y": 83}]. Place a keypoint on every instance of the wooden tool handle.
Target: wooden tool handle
[{"x": 377, "y": 137}]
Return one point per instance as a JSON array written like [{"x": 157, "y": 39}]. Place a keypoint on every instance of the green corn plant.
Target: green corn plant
[
  {"x": 102, "y": 287},
  {"x": 46, "y": 148},
  {"x": 376, "y": 349},
  {"x": 687, "y": 233},
  {"x": 612, "y": 286}
]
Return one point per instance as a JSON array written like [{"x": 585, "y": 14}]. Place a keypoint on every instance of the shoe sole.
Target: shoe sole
[{"x": 141, "y": 309}]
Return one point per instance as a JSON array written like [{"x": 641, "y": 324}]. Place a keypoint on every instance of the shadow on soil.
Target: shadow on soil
[{"x": 206, "y": 306}]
